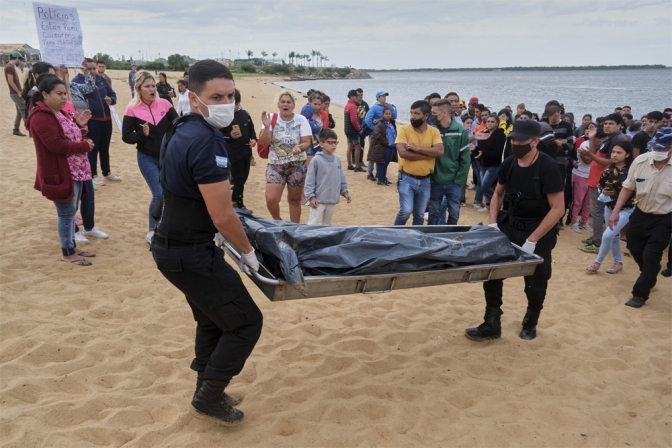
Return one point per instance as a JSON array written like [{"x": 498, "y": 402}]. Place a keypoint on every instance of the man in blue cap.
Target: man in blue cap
[
  {"x": 15, "y": 58},
  {"x": 373, "y": 115},
  {"x": 650, "y": 227}
]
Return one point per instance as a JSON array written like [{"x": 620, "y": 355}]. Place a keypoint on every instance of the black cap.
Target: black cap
[{"x": 525, "y": 129}]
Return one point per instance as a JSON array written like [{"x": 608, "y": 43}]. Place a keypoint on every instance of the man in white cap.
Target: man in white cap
[{"x": 650, "y": 227}]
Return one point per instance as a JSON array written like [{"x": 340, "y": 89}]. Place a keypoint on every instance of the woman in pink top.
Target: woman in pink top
[{"x": 62, "y": 162}]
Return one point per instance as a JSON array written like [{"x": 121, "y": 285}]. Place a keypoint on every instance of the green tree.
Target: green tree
[
  {"x": 103, "y": 57},
  {"x": 264, "y": 54},
  {"x": 291, "y": 56},
  {"x": 176, "y": 62},
  {"x": 275, "y": 53},
  {"x": 249, "y": 53}
]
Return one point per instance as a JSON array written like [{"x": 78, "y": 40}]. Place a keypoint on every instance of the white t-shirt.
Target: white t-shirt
[
  {"x": 286, "y": 135},
  {"x": 183, "y": 107},
  {"x": 584, "y": 168}
]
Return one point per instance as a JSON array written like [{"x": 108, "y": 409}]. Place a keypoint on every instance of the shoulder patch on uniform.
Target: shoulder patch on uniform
[{"x": 222, "y": 162}]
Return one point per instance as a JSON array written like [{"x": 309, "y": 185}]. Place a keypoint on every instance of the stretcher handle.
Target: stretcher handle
[{"x": 257, "y": 275}]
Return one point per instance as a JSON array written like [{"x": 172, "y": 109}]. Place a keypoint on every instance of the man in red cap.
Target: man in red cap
[{"x": 471, "y": 106}]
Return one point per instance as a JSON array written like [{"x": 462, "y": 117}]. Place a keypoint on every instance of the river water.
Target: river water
[{"x": 592, "y": 91}]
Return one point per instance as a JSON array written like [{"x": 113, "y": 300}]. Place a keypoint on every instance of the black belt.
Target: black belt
[
  {"x": 167, "y": 242},
  {"x": 416, "y": 177},
  {"x": 523, "y": 225}
]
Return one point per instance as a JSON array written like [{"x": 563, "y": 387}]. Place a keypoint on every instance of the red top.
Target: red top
[{"x": 52, "y": 148}]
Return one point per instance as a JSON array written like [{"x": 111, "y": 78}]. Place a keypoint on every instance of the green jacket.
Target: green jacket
[{"x": 453, "y": 165}]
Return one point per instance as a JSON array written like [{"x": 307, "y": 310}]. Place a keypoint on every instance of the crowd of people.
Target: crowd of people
[{"x": 534, "y": 174}]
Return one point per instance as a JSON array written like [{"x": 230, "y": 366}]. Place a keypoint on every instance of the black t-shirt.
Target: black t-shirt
[
  {"x": 239, "y": 147},
  {"x": 641, "y": 141},
  {"x": 196, "y": 154},
  {"x": 608, "y": 144},
  {"x": 520, "y": 181}
]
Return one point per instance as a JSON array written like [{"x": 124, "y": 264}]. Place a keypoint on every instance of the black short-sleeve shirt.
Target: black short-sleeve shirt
[
  {"x": 641, "y": 141},
  {"x": 196, "y": 154},
  {"x": 521, "y": 180}
]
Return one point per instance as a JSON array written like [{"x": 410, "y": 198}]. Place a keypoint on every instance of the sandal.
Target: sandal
[
  {"x": 86, "y": 254},
  {"x": 78, "y": 262}
]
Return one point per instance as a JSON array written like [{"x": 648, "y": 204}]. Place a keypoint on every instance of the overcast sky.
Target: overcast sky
[{"x": 373, "y": 34}]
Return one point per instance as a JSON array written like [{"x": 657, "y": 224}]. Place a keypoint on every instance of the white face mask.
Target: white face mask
[
  {"x": 659, "y": 156},
  {"x": 219, "y": 115}
]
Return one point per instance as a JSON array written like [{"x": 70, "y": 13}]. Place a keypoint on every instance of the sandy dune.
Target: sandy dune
[{"x": 100, "y": 356}]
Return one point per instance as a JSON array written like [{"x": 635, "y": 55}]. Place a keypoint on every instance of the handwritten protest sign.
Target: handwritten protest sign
[{"x": 60, "y": 34}]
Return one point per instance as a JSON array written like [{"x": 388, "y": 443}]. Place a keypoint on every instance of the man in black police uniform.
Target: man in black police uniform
[
  {"x": 531, "y": 190},
  {"x": 196, "y": 204}
]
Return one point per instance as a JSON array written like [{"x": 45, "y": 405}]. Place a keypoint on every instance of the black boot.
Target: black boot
[
  {"x": 530, "y": 320},
  {"x": 491, "y": 328},
  {"x": 231, "y": 400},
  {"x": 208, "y": 402}
]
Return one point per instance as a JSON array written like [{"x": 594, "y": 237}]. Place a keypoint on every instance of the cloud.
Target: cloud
[{"x": 374, "y": 33}]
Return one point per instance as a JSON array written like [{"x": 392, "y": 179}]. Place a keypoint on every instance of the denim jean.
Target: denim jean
[
  {"x": 149, "y": 168},
  {"x": 100, "y": 132},
  {"x": 451, "y": 192},
  {"x": 66, "y": 212},
  {"x": 488, "y": 176},
  {"x": 611, "y": 239},
  {"x": 413, "y": 199},
  {"x": 381, "y": 168}
]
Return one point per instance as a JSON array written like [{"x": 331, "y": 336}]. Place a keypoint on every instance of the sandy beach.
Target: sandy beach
[{"x": 99, "y": 356}]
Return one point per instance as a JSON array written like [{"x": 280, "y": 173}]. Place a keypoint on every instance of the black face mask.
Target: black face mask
[
  {"x": 435, "y": 119},
  {"x": 417, "y": 123},
  {"x": 520, "y": 151}
]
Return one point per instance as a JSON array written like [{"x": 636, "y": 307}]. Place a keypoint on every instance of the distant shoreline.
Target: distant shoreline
[{"x": 514, "y": 69}]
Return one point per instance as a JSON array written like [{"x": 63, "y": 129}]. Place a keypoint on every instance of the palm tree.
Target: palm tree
[
  {"x": 274, "y": 54},
  {"x": 291, "y": 56},
  {"x": 318, "y": 59},
  {"x": 325, "y": 58},
  {"x": 249, "y": 53},
  {"x": 264, "y": 54}
]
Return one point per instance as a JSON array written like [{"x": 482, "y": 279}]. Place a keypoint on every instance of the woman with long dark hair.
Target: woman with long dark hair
[
  {"x": 165, "y": 90},
  {"x": 62, "y": 163},
  {"x": 489, "y": 152},
  {"x": 611, "y": 184}
]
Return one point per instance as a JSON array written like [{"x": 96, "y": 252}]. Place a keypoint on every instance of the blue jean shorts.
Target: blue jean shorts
[{"x": 354, "y": 139}]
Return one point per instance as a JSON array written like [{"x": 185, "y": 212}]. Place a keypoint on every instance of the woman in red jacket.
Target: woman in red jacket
[{"x": 62, "y": 164}]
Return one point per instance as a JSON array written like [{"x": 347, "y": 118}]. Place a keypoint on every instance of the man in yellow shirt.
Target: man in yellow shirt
[
  {"x": 418, "y": 146},
  {"x": 650, "y": 227}
]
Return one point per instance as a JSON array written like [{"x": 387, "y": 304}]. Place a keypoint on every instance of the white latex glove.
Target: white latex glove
[
  {"x": 529, "y": 247},
  {"x": 248, "y": 263},
  {"x": 219, "y": 239},
  {"x": 494, "y": 224}
]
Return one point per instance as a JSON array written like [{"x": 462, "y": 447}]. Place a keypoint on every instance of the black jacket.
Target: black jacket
[
  {"x": 492, "y": 148},
  {"x": 159, "y": 116},
  {"x": 239, "y": 147}
]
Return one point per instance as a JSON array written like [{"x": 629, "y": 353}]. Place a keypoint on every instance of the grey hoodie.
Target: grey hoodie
[{"x": 325, "y": 179}]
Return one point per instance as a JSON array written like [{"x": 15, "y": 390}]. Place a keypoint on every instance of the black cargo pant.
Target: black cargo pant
[
  {"x": 648, "y": 236},
  {"x": 240, "y": 170},
  {"x": 535, "y": 284},
  {"x": 228, "y": 321}
]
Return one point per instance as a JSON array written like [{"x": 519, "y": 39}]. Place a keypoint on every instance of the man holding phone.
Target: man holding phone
[{"x": 240, "y": 138}]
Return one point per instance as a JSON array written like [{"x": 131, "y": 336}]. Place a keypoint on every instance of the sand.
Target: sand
[{"x": 99, "y": 356}]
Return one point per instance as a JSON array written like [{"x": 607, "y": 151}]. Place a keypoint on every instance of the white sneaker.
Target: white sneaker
[
  {"x": 149, "y": 236},
  {"x": 477, "y": 206},
  {"x": 112, "y": 178},
  {"x": 80, "y": 239},
  {"x": 96, "y": 233},
  {"x": 586, "y": 227},
  {"x": 484, "y": 209},
  {"x": 112, "y": 141},
  {"x": 426, "y": 216},
  {"x": 98, "y": 181},
  {"x": 575, "y": 227},
  {"x": 471, "y": 187}
]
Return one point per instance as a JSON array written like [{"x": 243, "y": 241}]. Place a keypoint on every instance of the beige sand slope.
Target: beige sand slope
[{"x": 100, "y": 356}]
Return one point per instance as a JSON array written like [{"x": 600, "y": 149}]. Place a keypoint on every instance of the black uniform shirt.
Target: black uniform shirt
[
  {"x": 195, "y": 155},
  {"x": 522, "y": 180}
]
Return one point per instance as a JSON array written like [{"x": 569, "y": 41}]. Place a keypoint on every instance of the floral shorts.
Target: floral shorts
[{"x": 293, "y": 174}]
